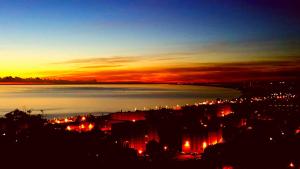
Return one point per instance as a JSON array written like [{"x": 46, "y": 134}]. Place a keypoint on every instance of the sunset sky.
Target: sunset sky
[{"x": 150, "y": 40}]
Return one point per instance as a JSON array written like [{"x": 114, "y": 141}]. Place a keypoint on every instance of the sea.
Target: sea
[{"x": 69, "y": 100}]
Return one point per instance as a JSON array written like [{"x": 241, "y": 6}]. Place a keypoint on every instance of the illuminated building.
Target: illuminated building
[
  {"x": 196, "y": 142},
  {"x": 134, "y": 135},
  {"x": 186, "y": 146},
  {"x": 224, "y": 111}
]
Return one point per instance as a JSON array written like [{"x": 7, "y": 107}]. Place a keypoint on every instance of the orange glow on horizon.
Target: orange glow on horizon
[
  {"x": 21, "y": 83},
  {"x": 164, "y": 72}
]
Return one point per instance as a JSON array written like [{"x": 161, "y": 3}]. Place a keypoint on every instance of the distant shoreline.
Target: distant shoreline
[
  {"x": 53, "y": 114},
  {"x": 224, "y": 85}
]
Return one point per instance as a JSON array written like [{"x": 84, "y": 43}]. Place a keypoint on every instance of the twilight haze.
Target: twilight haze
[{"x": 150, "y": 40}]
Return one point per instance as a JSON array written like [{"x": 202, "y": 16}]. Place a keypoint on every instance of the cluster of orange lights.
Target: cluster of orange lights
[
  {"x": 187, "y": 145},
  {"x": 84, "y": 127},
  {"x": 66, "y": 120},
  {"x": 224, "y": 111},
  {"x": 62, "y": 121},
  {"x": 140, "y": 143},
  {"x": 177, "y": 107},
  {"x": 199, "y": 146}
]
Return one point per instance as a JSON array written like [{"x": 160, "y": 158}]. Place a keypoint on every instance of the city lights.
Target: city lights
[
  {"x": 165, "y": 148},
  {"x": 187, "y": 144},
  {"x": 291, "y": 165},
  {"x": 204, "y": 145},
  {"x": 171, "y": 84}
]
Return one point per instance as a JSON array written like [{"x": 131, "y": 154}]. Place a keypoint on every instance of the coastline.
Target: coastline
[{"x": 149, "y": 106}]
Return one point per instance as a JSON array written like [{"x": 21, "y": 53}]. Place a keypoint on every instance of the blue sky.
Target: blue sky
[
  {"x": 149, "y": 22},
  {"x": 54, "y": 30}
]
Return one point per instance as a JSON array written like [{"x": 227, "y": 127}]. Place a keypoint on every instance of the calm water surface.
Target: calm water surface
[{"x": 62, "y": 99}]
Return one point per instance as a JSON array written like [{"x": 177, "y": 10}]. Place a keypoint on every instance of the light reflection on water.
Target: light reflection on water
[{"x": 104, "y": 98}]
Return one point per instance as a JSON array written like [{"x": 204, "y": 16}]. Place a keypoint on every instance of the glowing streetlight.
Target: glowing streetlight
[
  {"x": 292, "y": 165},
  {"x": 91, "y": 126},
  {"x": 204, "y": 145},
  {"x": 165, "y": 148},
  {"x": 187, "y": 144}
]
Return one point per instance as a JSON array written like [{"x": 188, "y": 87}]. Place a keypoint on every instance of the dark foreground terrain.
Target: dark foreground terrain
[{"x": 261, "y": 129}]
